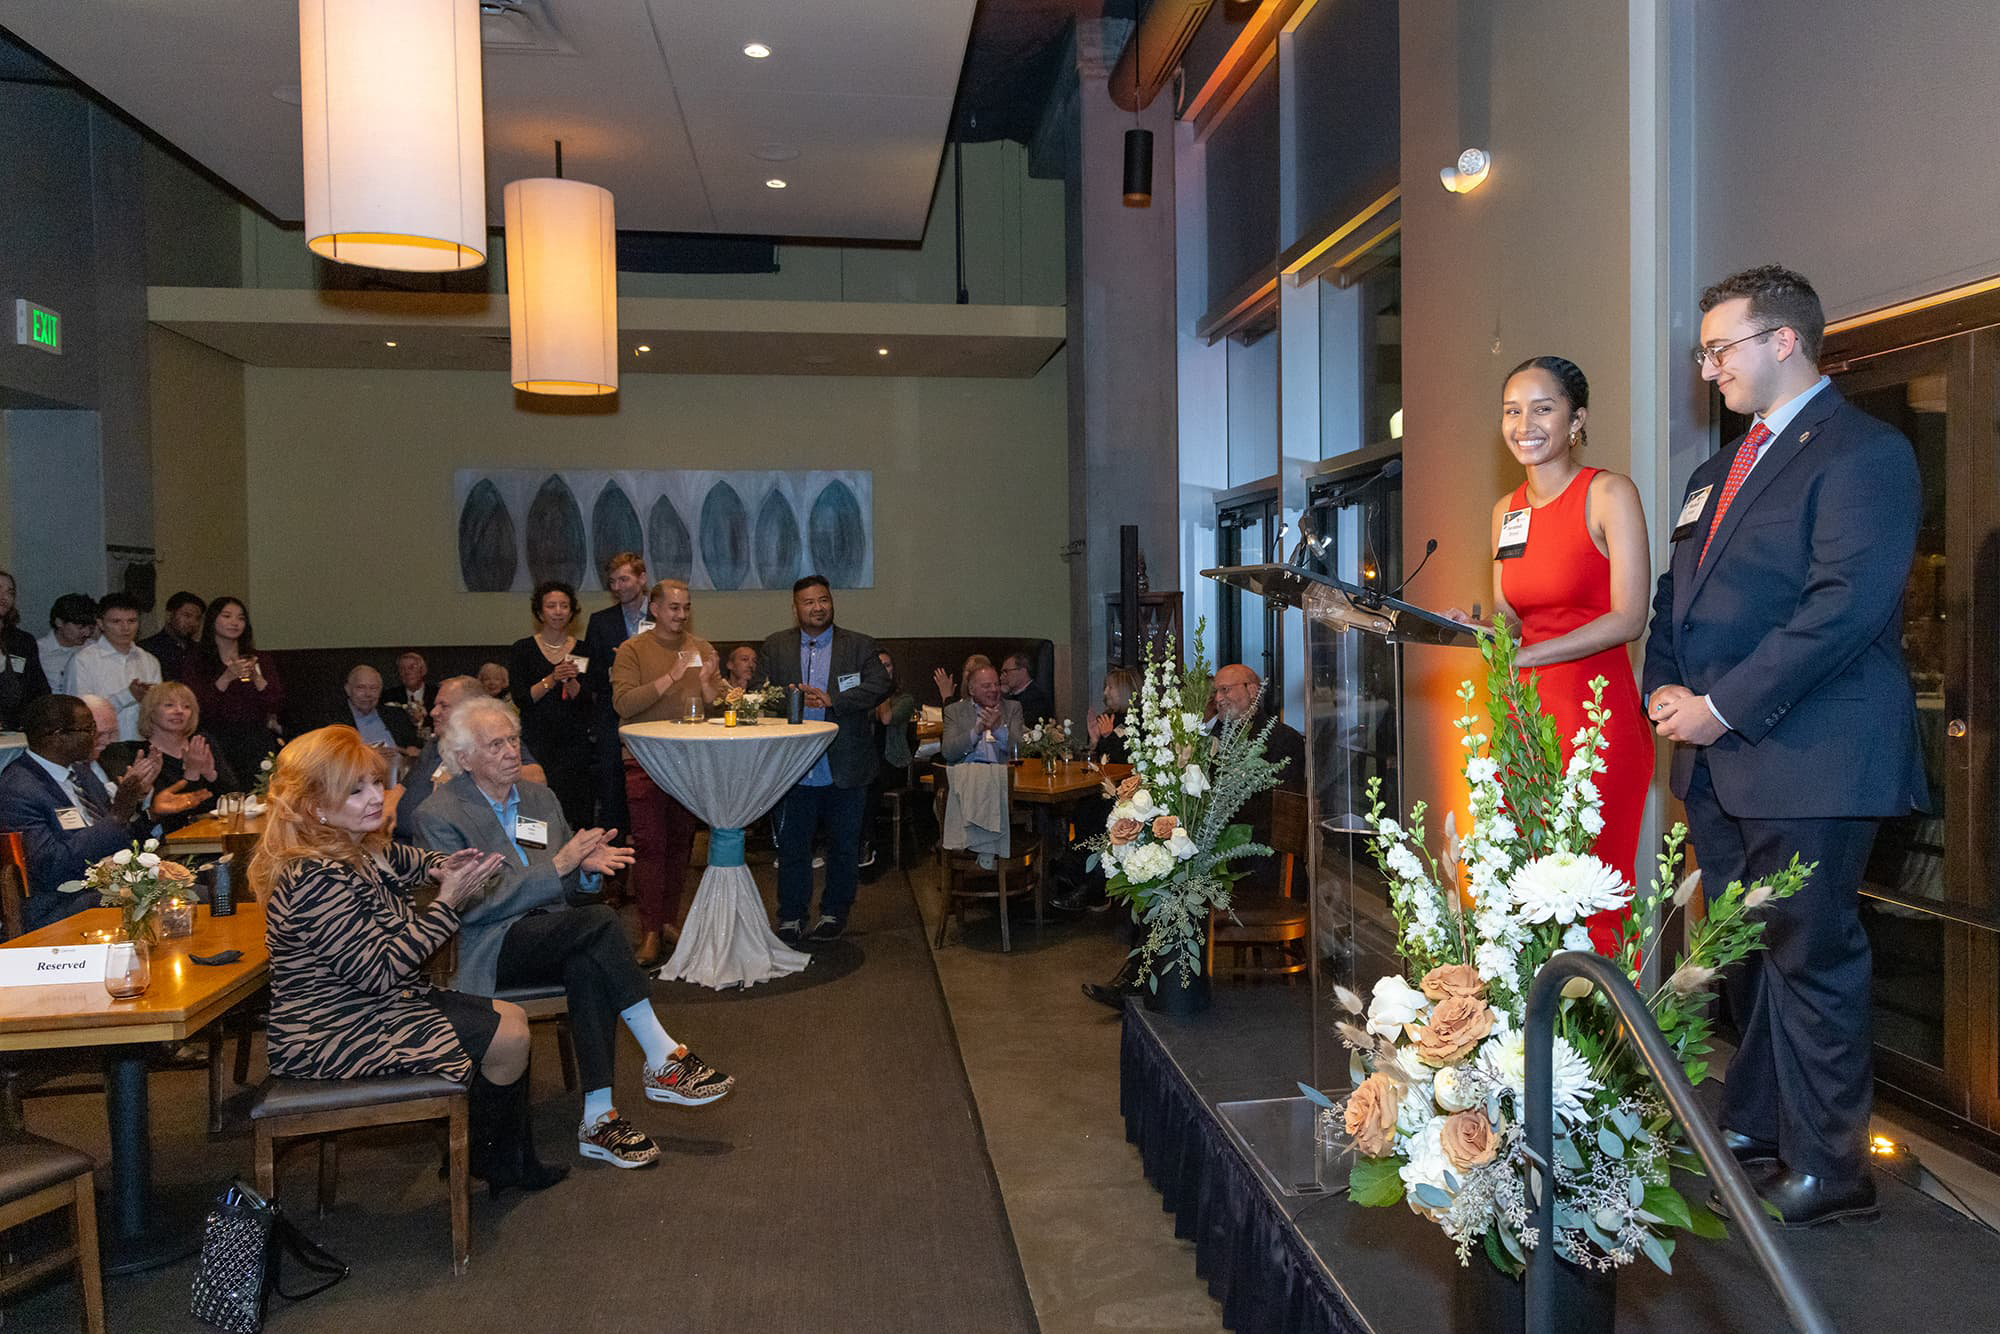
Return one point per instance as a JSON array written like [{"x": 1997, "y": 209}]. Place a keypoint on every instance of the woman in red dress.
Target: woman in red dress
[{"x": 1572, "y": 568}]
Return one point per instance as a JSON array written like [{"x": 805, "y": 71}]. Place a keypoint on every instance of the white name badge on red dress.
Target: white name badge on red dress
[
  {"x": 1513, "y": 534},
  {"x": 1691, "y": 513}
]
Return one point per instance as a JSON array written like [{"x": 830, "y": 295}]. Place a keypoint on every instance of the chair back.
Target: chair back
[
  {"x": 1289, "y": 831},
  {"x": 13, "y": 884}
]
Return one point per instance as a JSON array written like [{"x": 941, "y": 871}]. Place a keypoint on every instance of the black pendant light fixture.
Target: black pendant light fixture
[{"x": 1138, "y": 142}]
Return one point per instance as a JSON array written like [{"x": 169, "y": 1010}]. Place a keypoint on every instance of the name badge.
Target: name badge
[
  {"x": 1513, "y": 534},
  {"x": 1691, "y": 513},
  {"x": 531, "y": 833},
  {"x": 16, "y": 663},
  {"x": 45, "y": 965},
  {"x": 847, "y": 682},
  {"x": 71, "y": 817},
  {"x": 582, "y": 663},
  {"x": 645, "y": 624}
]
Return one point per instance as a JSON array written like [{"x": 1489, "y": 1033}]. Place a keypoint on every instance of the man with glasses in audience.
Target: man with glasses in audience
[{"x": 1018, "y": 683}]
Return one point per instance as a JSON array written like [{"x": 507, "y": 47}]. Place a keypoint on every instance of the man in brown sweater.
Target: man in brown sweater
[{"x": 654, "y": 678}]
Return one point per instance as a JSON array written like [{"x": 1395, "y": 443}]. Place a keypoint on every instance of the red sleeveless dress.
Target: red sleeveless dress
[{"x": 1560, "y": 582}]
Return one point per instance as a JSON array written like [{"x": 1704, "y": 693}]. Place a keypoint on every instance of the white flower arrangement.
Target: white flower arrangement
[
  {"x": 1439, "y": 1057},
  {"x": 134, "y": 880},
  {"x": 1048, "y": 740}
]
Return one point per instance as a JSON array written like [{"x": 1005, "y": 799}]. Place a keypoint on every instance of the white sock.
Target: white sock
[
  {"x": 653, "y": 1039},
  {"x": 597, "y": 1105}
]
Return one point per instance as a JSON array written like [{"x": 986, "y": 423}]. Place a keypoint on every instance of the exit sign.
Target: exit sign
[{"x": 37, "y": 326}]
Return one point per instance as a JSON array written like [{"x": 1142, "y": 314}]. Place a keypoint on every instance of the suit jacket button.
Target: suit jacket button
[{"x": 1687, "y": 625}]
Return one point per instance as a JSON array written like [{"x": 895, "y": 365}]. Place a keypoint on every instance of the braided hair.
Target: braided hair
[{"x": 1569, "y": 377}]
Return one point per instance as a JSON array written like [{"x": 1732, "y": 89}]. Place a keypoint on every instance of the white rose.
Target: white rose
[
  {"x": 1395, "y": 1003},
  {"x": 149, "y": 860},
  {"x": 1142, "y": 805},
  {"x": 1193, "y": 781},
  {"x": 1181, "y": 846},
  {"x": 1455, "y": 1090},
  {"x": 152, "y": 844},
  {"x": 122, "y": 858}
]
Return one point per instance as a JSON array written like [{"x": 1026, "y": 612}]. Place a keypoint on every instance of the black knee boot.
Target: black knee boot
[{"x": 503, "y": 1141}]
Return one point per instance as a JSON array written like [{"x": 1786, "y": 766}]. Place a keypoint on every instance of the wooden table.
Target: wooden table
[
  {"x": 184, "y": 998},
  {"x": 215, "y": 835},
  {"x": 1038, "y": 787}
]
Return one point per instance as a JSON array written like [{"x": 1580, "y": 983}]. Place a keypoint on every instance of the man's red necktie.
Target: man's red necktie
[{"x": 1739, "y": 468}]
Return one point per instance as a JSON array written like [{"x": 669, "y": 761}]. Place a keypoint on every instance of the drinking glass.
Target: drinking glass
[{"x": 128, "y": 969}]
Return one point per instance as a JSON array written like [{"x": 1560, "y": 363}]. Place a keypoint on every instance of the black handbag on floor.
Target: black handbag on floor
[{"x": 243, "y": 1249}]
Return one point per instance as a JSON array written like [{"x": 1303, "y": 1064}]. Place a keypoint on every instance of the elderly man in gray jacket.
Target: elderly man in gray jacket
[{"x": 520, "y": 930}]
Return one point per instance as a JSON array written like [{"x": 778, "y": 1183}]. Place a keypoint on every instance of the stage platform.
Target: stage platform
[{"x": 1319, "y": 1265}]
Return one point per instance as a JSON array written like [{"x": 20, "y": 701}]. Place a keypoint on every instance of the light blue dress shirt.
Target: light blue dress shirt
[
  {"x": 815, "y": 661},
  {"x": 507, "y": 812},
  {"x": 373, "y": 730}
]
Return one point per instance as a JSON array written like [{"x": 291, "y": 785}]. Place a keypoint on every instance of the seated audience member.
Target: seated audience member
[
  {"x": 21, "y": 676},
  {"x": 982, "y": 728},
  {"x": 239, "y": 692},
  {"x": 493, "y": 679},
  {"x": 947, "y": 685},
  {"x": 428, "y": 771},
  {"x": 169, "y": 723},
  {"x": 1079, "y": 890},
  {"x": 653, "y": 678},
  {"x": 386, "y": 729},
  {"x": 1238, "y": 695},
  {"x": 739, "y": 669},
  {"x": 72, "y": 624},
  {"x": 173, "y": 644},
  {"x": 68, "y": 817},
  {"x": 1017, "y": 682},
  {"x": 894, "y": 716},
  {"x": 411, "y": 693},
  {"x": 114, "y": 666},
  {"x": 519, "y": 932},
  {"x": 349, "y": 995},
  {"x": 1107, "y": 729}
]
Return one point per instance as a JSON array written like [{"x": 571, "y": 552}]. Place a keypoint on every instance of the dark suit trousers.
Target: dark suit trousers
[
  {"x": 803, "y": 813},
  {"x": 1803, "y": 1076},
  {"x": 585, "y": 950},
  {"x": 608, "y": 768},
  {"x": 662, "y": 842}
]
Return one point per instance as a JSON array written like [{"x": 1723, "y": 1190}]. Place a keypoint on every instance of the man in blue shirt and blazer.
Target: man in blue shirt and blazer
[
  {"x": 1775, "y": 662},
  {"x": 843, "y": 681},
  {"x": 66, "y": 816}
]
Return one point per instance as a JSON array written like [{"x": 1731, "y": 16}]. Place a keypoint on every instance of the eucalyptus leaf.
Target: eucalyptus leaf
[
  {"x": 1609, "y": 1144},
  {"x": 1313, "y": 1095},
  {"x": 1635, "y": 1192},
  {"x": 1430, "y": 1196},
  {"x": 1598, "y": 1236},
  {"x": 1567, "y": 1151},
  {"x": 1609, "y": 1219},
  {"x": 1511, "y": 1242},
  {"x": 1659, "y": 1253}
]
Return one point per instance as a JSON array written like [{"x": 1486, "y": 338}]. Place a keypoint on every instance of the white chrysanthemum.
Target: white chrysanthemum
[
  {"x": 1504, "y": 1057},
  {"x": 1395, "y": 1003},
  {"x": 1577, "y": 937},
  {"x": 1416, "y": 1110},
  {"x": 1427, "y": 1165},
  {"x": 1564, "y": 887},
  {"x": 1194, "y": 782}
]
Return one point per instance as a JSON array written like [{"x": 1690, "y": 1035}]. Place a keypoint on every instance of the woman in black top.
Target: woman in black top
[
  {"x": 21, "y": 677},
  {"x": 1107, "y": 729},
  {"x": 169, "y": 723},
  {"x": 555, "y": 703}
]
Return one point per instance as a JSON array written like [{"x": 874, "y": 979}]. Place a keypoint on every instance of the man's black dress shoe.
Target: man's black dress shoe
[
  {"x": 1114, "y": 992},
  {"x": 1749, "y": 1152},
  {"x": 1803, "y": 1200}
]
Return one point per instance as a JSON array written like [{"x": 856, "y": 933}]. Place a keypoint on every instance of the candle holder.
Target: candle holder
[{"x": 174, "y": 919}]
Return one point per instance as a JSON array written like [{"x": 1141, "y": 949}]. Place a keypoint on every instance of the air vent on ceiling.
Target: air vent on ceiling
[{"x": 521, "y": 27}]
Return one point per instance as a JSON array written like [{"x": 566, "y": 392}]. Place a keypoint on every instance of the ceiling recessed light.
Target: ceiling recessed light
[
  {"x": 774, "y": 184},
  {"x": 881, "y": 351},
  {"x": 644, "y": 347},
  {"x": 757, "y": 51},
  {"x": 389, "y": 343},
  {"x": 775, "y": 152}
]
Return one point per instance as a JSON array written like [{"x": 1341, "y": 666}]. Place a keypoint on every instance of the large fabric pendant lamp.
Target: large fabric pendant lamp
[
  {"x": 395, "y": 160},
  {"x": 562, "y": 285}
]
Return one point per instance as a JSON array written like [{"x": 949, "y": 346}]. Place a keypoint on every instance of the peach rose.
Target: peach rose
[
  {"x": 1371, "y": 1116},
  {"x": 1453, "y": 979},
  {"x": 1125, "y": 830},
  {"x": 1127, "y": 786},
  {"x": 1163, "y": 826},
  {"x": 1468, "y": 1140},
  {"x": 1457, "y": 1025}
]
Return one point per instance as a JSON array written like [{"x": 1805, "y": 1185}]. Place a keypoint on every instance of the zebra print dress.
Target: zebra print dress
[{"x": 348, "y": 992}]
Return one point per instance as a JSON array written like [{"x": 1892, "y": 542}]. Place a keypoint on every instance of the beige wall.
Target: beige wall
[
  {"x": 199, "y": 507},
  {"x": 352, "y": 536}
]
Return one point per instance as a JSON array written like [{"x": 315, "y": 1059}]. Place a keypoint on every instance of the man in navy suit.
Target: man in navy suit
[
  {"x": 1775, "y": 662},
  {"x": 57, "y": 800},
  {"x": 844, "y": 680},
  {"x": 625, "y": 577}
]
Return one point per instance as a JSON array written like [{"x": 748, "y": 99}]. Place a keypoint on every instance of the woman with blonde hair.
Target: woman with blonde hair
[
  {"x": 190, "y": 762},
  {"x": 349, "y": 995}
]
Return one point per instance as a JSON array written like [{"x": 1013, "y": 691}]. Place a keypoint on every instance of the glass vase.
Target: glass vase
[{"x": 128, "y": 968}]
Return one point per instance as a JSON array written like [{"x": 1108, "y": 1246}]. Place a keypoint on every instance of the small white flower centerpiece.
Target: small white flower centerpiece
[
  {"x": 1170, "y": 849},
  {"x": 134, "y": 881},
  {"x": 755, "y": 700},
  {"x": 1048, "y": 741},
  {"x": 1438, "y": 1051}
]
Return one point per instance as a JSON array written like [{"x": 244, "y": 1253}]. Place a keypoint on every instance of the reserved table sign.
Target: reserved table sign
[{"x": 47, "y": 965}]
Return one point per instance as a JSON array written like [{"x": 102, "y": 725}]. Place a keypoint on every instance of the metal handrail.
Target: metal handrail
[{"x": 1746, "y": 1209}]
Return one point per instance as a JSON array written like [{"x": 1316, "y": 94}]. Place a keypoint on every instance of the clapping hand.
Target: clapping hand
[
  {"x": 815, "y": 697},
  {"x": 1099, "y": 726},
  {"x": 564, "y": 671},
  {"x": 607, "y": 858},
  {"x": 947, "y": 685},
  {"x": 138, "y": 688},
  {"x": 460, "y": 875},
  {"x": 989, "y": 718},
  {"x": 198, "y": 761},
  {"x": 178, "y": 799},
  {"x": 137, "y": 780}
]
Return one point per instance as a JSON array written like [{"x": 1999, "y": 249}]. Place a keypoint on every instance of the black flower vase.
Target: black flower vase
[
  {"x": 1486, "y": 1301},
  {"x": 1179, "y": 992}
]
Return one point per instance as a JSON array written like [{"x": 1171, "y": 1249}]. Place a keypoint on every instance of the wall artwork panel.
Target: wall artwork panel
[{"x": 715, "y": 529}]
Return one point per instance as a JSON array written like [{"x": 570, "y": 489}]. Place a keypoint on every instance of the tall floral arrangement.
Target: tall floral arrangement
[
  {"x": 1438, "y": 1052},
  {"x": 1170, "y": 849}
]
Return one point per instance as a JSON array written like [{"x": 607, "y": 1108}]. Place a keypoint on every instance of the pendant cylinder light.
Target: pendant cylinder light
[
  {"x": 1138, "y": 168},
  {"x": 395, "y": 159},
  {"x": 562, "y": 286}
]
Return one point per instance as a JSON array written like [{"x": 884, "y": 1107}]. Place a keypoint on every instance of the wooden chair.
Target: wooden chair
[
  {"x": 13, "y": 885},
  {"x": 900, "y": 801},
  {"x": 38, "y": 1177},
  {"x": 289, "y": 1109},
  {"x": 959, "y": 870},
  {"x": 1260, "y": 922},
  {"x": 547, "y": 1003}
]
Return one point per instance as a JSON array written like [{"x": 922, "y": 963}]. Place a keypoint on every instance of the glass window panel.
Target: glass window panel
[
  {"x": 1253, "y": 410},
  {"x": 1361, "y": 354},
  {"x": 1344, "y": 90},
  {"x": 1241, "y": 165}
]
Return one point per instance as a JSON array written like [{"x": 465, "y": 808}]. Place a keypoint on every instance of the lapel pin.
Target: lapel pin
[{"x": 1804, "y": 436}]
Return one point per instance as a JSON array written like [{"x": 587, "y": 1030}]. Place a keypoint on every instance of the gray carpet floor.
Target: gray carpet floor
[{"x": 844, "y": 1186}]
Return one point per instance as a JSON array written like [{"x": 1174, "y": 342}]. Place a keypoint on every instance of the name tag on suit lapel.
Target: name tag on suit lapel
[
  {"x": 16, "y": 663},
  {"x": 1513, "y": 534},
  {"x": 72, "y": 817},
  {"x": 847, "y": 682},
  {"x": 531, "y": 833},
  {"x": 1691, "y": 513}
]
